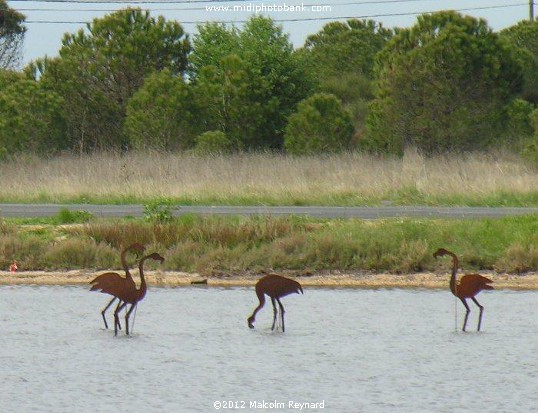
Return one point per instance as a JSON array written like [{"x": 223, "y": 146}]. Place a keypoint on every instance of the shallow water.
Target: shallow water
[{"x": 354, "y": 350}]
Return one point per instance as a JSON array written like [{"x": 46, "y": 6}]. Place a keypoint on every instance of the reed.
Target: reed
[
  {"x": 244, "y": 245},
  {"x": 272, "y": 179}
]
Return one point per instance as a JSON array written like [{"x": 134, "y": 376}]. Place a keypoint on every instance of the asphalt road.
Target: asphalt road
[{"x": 49, "y": 210}]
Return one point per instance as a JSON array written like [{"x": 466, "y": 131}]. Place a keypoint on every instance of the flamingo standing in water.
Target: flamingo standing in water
[
  {"x": 275, "y": 287},
  {"x": 105, "y": 282},
  {"x": 129, "y": 294},
  {"x": 469, "y": 285}
]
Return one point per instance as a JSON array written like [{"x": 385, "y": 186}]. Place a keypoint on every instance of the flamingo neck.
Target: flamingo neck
[
  {"x": 143, "y": 287},
  {"x": 261, "y": 298},
  {"x": 455, "y": 263},
  {"x": 124, "y": 262}
]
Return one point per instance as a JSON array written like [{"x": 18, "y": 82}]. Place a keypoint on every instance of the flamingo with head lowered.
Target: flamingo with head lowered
[{"x": 276, "y": 287}]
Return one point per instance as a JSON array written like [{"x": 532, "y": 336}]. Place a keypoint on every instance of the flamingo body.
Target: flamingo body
[{"x": 471, "y": 284}]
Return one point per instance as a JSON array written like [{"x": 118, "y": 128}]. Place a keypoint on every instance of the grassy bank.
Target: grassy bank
[
  {"x": 242, "y": 245},
  {"x": 270, "y": 179}
]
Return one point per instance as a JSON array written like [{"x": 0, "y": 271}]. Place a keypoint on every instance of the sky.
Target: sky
[{"x": 48, "y": 20}]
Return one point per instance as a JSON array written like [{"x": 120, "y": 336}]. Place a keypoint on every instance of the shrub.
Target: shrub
[
  {"x": 320, "y": 125},
  {"x": 79, "y": 253},
  {"x": 66, "y": 216},
  {"x": 213, "y": 142},
  {"x": 160, "y": 211}
]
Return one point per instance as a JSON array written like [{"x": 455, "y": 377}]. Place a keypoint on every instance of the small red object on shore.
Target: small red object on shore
[{"x": 13, "y": 267}]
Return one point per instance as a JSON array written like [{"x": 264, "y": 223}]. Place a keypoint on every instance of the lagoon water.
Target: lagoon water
[{"x": 354, "y": 350}]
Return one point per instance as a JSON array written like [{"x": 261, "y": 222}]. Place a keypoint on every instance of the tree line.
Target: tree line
[{"x": 134, "y": 81}]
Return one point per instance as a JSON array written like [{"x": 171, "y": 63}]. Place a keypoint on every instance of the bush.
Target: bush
[
  {"x": 212, "y": 142},
  {"x": 66, "y": 216},
  {"x": 160, "y": 211},
  {"x": 79, "y": 253},
  {"x": 320, "y": 125}
]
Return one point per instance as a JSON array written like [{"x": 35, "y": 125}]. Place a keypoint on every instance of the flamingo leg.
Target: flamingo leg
[
  {"x": 104, "y": 311},
  {"x": 466, "y": 314},
  {"x": 281, "y": 313},
  {"x": 118, "y": 320},
  {"x": 117, "y": 317},
  {"x": 133, "y": 306},
  {"x": 274, "y": 312},
  {"x": 481, "y": 311}
]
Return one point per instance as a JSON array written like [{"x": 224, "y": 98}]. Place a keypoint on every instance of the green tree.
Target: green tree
[
  {"x": 213, "y": 42},
  {"x": 348, "y": 47},
  {"x": 519, "y": 122},
  {"x": 341, "y": 59},
  {"x": 443, "y": 85},
  {"x": 258, "y": 59},
  {"x": 8, "y": 77},
  {"x": 524, "y": 37},
  {"x": 162, "y": 114},
  {"x": 224, "y": 97},
  {"x": 11, "y": 36},
  {"x": 530, "y": 149},
  {"x": 99, "y": 70},
  {"x": 31, "y": 119},
  {"x": 320, "y": 125}
]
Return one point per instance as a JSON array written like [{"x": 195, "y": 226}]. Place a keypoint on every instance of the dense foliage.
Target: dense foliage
[
  {"x": 161, "y": 114},
  {"x": 100, "y": 69},
  {"x": 130, "y": 80},
  {"x": 11, "y": 36},
  {"x": 249, "y": 81},
  {"x": 524, "y": 38},
  {"x": 32, "y": 119},
  {"x": 443, "y": 85},
  {"x": 341, "y": 59},
  {"x": 320, "y": 125}
]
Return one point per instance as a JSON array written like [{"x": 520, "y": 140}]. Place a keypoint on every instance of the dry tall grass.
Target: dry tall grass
[{"x": 345, "y": 179}]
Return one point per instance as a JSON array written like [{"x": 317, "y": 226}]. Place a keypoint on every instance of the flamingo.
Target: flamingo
[
  {"x": 106, "y": 281},
  {"x": 129, "y": 294},
  {"x": 469, "y": 285},
  {"x": 275, "y": 287}
]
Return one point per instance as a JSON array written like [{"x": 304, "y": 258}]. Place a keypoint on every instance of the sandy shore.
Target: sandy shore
[{"x": 180, "y": 279}]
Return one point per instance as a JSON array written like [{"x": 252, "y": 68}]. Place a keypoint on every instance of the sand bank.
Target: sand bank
[{"x": 181, "y": 279}]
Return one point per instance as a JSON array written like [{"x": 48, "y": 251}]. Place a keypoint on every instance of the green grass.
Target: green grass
[{"x": 238, "y": 245}]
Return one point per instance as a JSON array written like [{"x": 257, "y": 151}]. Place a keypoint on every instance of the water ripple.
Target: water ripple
[{"x": 361, "y": 351}]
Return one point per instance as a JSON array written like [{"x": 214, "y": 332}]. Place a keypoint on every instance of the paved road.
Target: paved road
[{"x": 48, "y": 210}]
